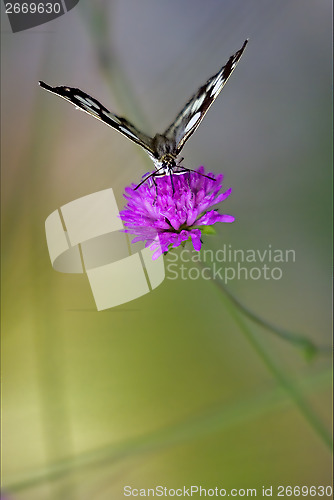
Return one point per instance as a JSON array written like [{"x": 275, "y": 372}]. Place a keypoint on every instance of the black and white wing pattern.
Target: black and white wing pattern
[
  {"x": 90, "y": 105},
  {"x": 188, "y": 120},
  {"x": 162, "y": 148}
]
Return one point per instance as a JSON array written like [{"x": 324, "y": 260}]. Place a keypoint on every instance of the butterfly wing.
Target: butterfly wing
[
  {"x": 90, "y": 105},
  {"x": 188, "y": 120}
]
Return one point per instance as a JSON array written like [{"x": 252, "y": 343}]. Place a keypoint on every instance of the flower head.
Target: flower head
[{"x": 165, "y": 219}]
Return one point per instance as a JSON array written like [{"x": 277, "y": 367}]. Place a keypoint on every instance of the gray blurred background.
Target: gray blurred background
[{"x": 169, "y": 389}]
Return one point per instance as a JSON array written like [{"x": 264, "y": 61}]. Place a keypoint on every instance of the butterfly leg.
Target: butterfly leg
[
  {"x": 156, "y": 190},
  {"x": 188, "y": 182},
  {"x": 172, "y": 182},
  {"x": 152, "y": 175}
]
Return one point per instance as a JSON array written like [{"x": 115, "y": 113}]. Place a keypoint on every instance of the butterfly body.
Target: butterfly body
[
  {"x": 167, "y": 162},
  {"x": 165, "y": 148}
]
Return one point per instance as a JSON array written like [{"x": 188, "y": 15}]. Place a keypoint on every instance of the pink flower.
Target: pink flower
[{"x": 177, "y": 217}]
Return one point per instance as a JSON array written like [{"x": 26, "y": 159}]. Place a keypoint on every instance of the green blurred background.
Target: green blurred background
[{"x": 178, "y": 387}]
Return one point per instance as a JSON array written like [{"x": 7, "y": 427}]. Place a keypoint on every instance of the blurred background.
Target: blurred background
[{"x": 178, "y": 387}]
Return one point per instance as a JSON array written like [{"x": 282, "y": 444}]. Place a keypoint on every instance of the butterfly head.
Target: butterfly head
[{"x": 168, "y": 163}]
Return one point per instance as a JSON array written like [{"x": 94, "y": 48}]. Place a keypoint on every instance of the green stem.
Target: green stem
[
  {"x": 98, "y": 23},
  {"x": 235, "y": 308},
  {"x": 309, "y": 348},
  {"x": 122, "y": 89},
  {"x": 287, "y": 385}
]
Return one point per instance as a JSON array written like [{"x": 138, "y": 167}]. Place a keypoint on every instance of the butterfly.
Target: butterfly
[{"x": 165, "y": 148}]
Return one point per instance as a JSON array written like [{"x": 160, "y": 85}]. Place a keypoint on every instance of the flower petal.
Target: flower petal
[{"x": 196, "y": 239}]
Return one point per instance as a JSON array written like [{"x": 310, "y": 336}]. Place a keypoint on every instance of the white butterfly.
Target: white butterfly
[{"x": 165, "y": 148}]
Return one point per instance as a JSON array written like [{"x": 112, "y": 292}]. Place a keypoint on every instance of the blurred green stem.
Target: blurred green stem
[
  {"x": 285, "y": 383},
  {"x": 308, "y": 347},
  {"x": 119, "y": 84},
  {"x": 97, "y": 18}
]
